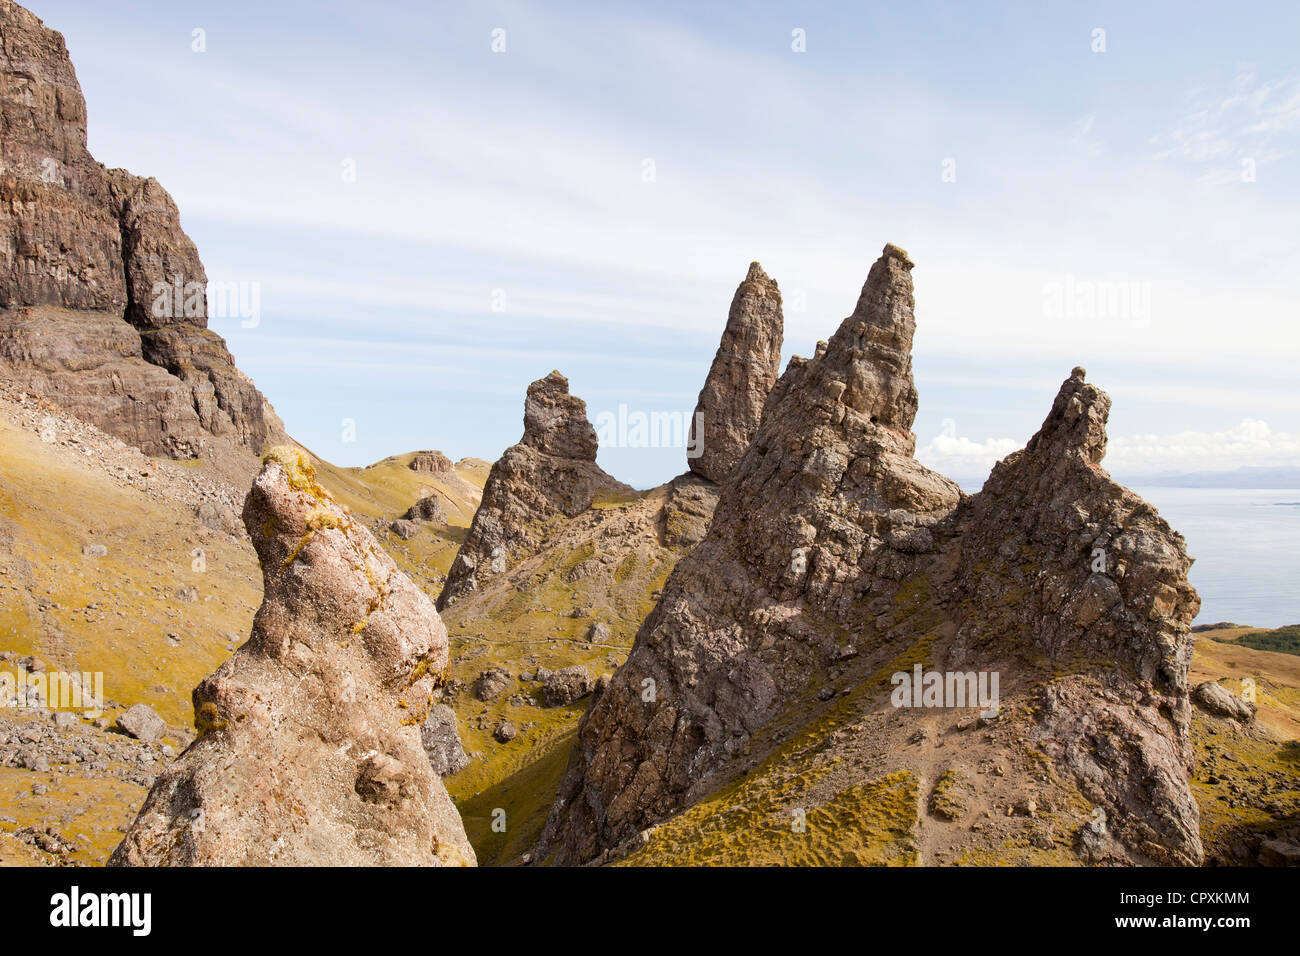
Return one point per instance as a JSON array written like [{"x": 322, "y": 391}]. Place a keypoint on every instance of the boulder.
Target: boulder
[
  {"x": 1216, "y": 700},
  {"x": 142, "y": 723},
  {"x": 564, "y": 686},
  {"x": 428, "y": 508},
  {"x": 440, "y": 736},
  {"x": 404, "y": 529},
  {"x": 491, "y": 683}
]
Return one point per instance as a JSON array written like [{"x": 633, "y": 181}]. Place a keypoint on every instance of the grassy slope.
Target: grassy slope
[
  {"x": 113, "y": 614},
  {"x": 540, "y": 615}
]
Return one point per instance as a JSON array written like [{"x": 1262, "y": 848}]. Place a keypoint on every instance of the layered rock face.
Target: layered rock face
[
  {"x": 744, "y": 370},
  {"x": 831, "y": 532},
  {"x": 311, "y": 750},
  {"x": 551, "y": 473},
  {"x": 86, "y": 252},
  {"x": 432, "y": 462}
]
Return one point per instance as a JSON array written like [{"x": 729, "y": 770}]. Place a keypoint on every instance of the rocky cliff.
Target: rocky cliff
[
  {"x": 310, "y": 750},
  {"x": 85, "y": 253},
  {"x": 834, "y": 557}
]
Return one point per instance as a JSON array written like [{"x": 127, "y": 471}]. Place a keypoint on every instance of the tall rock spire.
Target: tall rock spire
[
  {"x": 833, "y": 556},
  {"x": 744, "y": 370}
]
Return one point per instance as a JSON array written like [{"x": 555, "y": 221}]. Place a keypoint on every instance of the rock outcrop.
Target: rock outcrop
[
  {"x": 1058, "y": 559},
  {"x": 431, "y": 462},
  {"x": 428, "y": 508},
  {"x": 833, "y": 544},
  {"x": 744, "y": 370},
  {"x": 440, "y": 736},
  {"x": 310, "y": 750},
  {"x": 103, "y": 304},
  {"x": 1217, "y": 701},
  {"x": 550, "y": 474}
]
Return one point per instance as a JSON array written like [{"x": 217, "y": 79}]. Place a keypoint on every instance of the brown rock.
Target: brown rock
[
  {"x": 428, "y": 508},
  {"x": 432, "y": 462},
  {"x": 83, "y": 251},
  {"x": 552, "y": 472},
  {"x": 310, "y": 750},
  {"x": 744, "y": 370},
  {"x": 830, "y": 526}
]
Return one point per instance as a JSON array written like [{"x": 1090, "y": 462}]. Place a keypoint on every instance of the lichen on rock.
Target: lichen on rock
[{"x": 310, "y": 750}]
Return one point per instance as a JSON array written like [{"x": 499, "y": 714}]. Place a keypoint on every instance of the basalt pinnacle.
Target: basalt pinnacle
[
  {"x": 310, "y": 750},
  {"x": 551, "y": 472},
  {"x": 744, "y": 369}
]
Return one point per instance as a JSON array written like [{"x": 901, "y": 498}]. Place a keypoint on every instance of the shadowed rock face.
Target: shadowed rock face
[
  {"x": 81, "y": 245},
  {"x": 831, "y": 530},
  {"x": 744, "y": 370},
  {"x": 551, "y": 473},
  {"x": 311, "y": 748}
]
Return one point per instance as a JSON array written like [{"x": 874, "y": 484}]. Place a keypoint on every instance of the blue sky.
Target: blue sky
[{"x": 1132, "y": 210}]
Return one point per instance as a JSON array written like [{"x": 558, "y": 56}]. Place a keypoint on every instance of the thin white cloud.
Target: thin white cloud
[
  {"x": 1232, "y": 132},
  {"x": 1251, "y": 443}
]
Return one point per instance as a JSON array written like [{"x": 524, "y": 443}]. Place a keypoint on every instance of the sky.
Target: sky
[{"x": 426, "y": 206}]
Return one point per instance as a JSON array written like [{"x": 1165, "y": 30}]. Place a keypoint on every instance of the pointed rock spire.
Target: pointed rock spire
[
  {"x": 744, "y": 370},
  {"x": 1067, "y": 585}
]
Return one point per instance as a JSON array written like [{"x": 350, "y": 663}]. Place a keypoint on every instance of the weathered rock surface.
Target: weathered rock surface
[
  {"x": 550, "y": 474},
  {"x": 564, "y": 686},
  {"x": 404, "y": 528},
  {"x": 1216, "y": 700},
  {"x": 491, "y": 683},
  {"x": 84, "y": 252},
  {"x": 830, "y": 527},
  {"x": 440, "y": 736},
  {"x": 431, "y": 462},
  {"x": 143, "y": 724},
  {"x": 310, "y": 750},
  {"x": 744, "y": 370},
  {"x": 428, "y": 508}
]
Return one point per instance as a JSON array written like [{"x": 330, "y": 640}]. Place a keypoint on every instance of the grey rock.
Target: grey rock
[
  {"x": 1215, "y": 699},
  {"x": 143, "y": 724},
  {"x": 441, "y": 739},
  {"x": 405, "y": 529},
  {"x": 490, "y": 683}
]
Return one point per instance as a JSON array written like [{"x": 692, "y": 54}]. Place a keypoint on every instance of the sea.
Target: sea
[{"x": 1246, "y": 543}]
